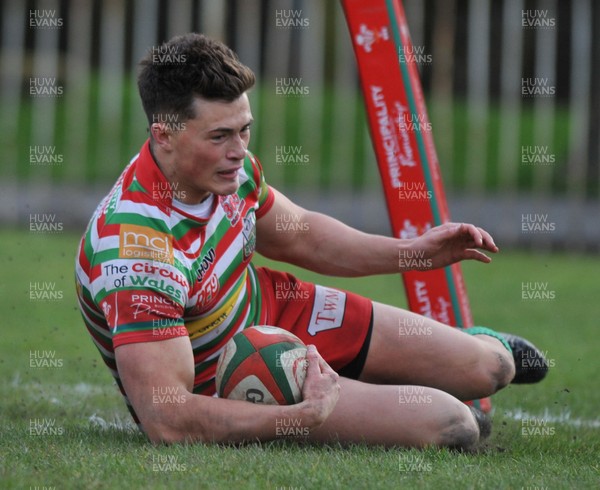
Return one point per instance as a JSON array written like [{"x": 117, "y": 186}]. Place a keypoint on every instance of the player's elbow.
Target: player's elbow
[
  {"x": 171, "y": 423},
  {"x": 170, "y": 429},
  {"x": 165, "y": 427},
  {"x": 160, "y": 433},
  {"x": 168, "y": 434}
]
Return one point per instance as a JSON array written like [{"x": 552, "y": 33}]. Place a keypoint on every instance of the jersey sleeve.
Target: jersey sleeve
[{"x": 140, "y": 300}]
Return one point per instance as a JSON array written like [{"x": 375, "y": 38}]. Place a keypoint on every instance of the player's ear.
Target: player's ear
[{"x": 162, "y": 135}]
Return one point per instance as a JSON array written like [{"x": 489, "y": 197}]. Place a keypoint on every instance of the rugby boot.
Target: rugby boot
[
  {"x": 483, "y": 421},
  {"x": 530, "y": 364}
]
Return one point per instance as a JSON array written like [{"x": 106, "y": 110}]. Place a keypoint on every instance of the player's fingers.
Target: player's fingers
[
  {"x": 474, "y": 233},
  {"x": 465, "y": 232},
  {"x": 312, "y": 358},
  {"x": 472, "y": 254},
  {"x": 488, "y": 241},
  {"x": 324, "y": 366},
  {"x": 481, "y": 238},
  {"x": 327, "y": 369}
]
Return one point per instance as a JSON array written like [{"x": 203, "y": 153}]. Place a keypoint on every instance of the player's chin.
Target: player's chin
[{"x": 226, "y": 187}]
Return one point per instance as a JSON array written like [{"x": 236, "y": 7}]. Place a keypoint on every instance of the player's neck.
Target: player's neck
[{"x": 165, "y": 166}]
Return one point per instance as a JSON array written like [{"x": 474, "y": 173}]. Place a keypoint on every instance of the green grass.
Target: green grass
[{"x": 82, "y": 455}]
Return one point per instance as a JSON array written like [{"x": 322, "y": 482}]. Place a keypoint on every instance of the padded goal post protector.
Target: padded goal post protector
[{"x": 405, "y": 153}]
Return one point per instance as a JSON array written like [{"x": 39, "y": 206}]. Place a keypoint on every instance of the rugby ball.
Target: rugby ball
[{"x": 262, "y": 364}]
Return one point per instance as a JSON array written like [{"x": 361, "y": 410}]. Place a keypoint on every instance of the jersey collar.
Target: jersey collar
[
  {"x": 152, "y": 182},
  {"x": 151, "y": 178}
]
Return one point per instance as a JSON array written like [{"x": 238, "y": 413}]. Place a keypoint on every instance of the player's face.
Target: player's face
[{"x": 209, "y": 152}]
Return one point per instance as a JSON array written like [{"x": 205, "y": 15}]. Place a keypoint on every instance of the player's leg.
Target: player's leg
[
  {"x": 386, "y": 415},
  {"x": 406, "y": 348}
]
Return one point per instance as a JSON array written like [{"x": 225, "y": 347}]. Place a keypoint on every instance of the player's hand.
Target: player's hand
[
  {"x": 453, "y": 242},
  {"x": 321, "y": 389}
]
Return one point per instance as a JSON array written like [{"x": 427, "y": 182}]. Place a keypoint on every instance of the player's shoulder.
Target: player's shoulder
[{"x": 128, "y": 208}]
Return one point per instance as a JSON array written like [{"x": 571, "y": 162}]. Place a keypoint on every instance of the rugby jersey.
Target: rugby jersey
[{"x": 147, "y": 271}]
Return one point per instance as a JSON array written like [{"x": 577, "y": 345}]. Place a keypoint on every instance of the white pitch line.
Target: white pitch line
[
  {"x": 71, "y": 395},
  {"x": 118, "y": 423},
  {"x": 562, "y": 418}
]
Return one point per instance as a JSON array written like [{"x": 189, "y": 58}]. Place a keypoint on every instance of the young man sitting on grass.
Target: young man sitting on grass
[{"x": 165, "y": 278}]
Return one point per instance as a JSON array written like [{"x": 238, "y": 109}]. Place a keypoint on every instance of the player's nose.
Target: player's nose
[{"x": 237, "y": 152}]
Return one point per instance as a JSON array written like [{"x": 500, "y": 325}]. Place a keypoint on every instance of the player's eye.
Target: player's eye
[{"x": 217, "y": 137}]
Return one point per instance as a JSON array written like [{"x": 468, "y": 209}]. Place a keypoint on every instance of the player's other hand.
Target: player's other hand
[
  {"x": 321, "y": 389},
  {"x": 453, "y": 242}
]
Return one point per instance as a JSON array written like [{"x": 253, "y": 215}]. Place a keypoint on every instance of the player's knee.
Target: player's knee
[
  {"x": 493, "y": 369},
  {"x": 499, "y": 371},
  {"x": 459, "y": 428},
  {"x": 505, "y": 371}
]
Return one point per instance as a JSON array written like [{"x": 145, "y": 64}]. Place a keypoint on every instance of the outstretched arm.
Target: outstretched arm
[{"x": 314, "y": 241}]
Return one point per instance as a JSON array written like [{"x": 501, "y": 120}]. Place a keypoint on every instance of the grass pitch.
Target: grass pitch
[{"x": 63, "y": 424}]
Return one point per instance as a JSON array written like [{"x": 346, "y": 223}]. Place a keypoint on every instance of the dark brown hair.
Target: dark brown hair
[{"x": 189, "y": 66}]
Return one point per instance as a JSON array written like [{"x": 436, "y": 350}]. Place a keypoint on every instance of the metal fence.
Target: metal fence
[{"x": 509, "y": 84}]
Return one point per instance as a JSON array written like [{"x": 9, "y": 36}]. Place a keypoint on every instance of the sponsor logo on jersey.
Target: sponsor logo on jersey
[
  {"x": 110, "y": 314},
  {"x": 232, "y": 205},
  {"x": 249, "y": 234},
  {"x": 208, "y": 294},
  {"x": 142, "y": 242},
  {"x": 150, "y": 305},
  {"x": 206, "y": 263},
  {"x": 328, "y": 310},
  {"x": 106, "y": 307},
  {"x": 156, "y": 284},
  {"x": 111, "y": 205},
  {"x": 201, "y": 326},
  {"x": 156, "y": 270}
]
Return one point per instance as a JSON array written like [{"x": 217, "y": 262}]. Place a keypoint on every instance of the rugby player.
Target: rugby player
[{"x": 165, "y": 278}]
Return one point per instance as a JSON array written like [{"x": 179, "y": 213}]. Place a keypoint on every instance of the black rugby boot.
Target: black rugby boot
[{"x": 530, "y": 364}]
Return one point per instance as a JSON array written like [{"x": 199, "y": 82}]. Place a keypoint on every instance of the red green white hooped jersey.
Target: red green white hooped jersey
[{"x": 147, "y": 271}]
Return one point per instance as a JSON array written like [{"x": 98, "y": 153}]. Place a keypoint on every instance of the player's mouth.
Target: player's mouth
[{"x": 229, "y": 174}]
